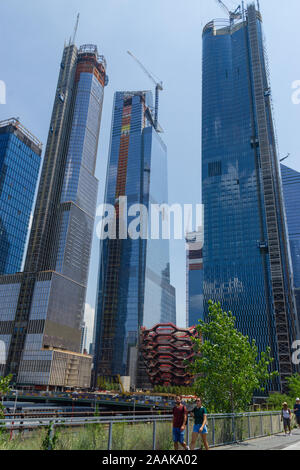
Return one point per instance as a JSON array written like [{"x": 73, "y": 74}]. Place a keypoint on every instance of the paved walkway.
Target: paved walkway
[{"x": 277, "y": 442}]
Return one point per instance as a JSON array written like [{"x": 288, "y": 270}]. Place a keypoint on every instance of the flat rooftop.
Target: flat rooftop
[{"x": 22, "y": 131}]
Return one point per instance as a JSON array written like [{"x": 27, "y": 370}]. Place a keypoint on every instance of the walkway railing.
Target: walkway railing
[{"x": 147, "y": 432}]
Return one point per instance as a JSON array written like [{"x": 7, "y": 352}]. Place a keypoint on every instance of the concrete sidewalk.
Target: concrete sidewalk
[{"x": 276, "y": 442}]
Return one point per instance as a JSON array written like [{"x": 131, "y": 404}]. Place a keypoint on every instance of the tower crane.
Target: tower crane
[
  {"x": 158, "y": 88},
  {"x": 233, "y": 15}
]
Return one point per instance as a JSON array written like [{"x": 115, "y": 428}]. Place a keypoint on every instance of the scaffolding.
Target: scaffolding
[{"x": 282, "y": 312}]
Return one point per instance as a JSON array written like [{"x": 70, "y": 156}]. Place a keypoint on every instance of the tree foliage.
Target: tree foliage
[
  {"x": 227, "y": 366},
  {"x": 294, "y": 386},
  {"x": 276, "y": 399},
  {"x": 4, "y": 390}
]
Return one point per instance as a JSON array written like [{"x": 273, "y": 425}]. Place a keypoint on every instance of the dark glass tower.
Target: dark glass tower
[
  {"x": 43, "y": 329},
  {"x": 291, "y": 192},
  {"x": 20, "y": 159},
  {"x": 134, "y": 275},
  {"x": 194, "y": 278},
  {"x": 245, "y": 254}
]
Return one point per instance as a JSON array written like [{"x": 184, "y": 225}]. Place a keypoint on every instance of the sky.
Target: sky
[{"x": 166, "y": 35}]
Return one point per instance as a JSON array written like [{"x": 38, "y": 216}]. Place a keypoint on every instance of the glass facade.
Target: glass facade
[
  {"x": 194, "y": 278},
  {"x": 134, "y": 287},
  {"x": 51, "y": 302},
  {"x": 20, "y": 160},
  {"x": 291, "y": 192},
  {"x": 244, "y": 243}
]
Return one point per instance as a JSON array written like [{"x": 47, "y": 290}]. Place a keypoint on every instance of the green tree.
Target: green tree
[
  {"x": 275, "y": 400},
  {"x": 294, "y": 386},
  {"x": 4, "y": 390},
  {"x": 227, "y": 366}
]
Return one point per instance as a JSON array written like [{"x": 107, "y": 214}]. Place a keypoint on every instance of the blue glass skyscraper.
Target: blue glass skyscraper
[
  {"x": 20, "y": 159},
  {"x": 291, "y": 192},
  {"x": 134, "y": 287},
  {"x": 245, "y": 254}
]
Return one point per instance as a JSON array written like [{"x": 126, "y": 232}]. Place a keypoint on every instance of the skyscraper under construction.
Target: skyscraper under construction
[
  {"x": 42, "y": 328},
  {"x": 134, "y": 287},
  {"x": 245, "y": 253}
]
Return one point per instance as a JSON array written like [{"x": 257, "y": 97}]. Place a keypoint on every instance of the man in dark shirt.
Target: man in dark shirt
[
  {"x": 200, "y": 426},
  {"x": 297, "y": 411},
  {"x": 179, "y": 423}
]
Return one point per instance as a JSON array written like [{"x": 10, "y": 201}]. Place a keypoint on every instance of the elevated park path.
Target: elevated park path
[{"x": 276, "y": 442}]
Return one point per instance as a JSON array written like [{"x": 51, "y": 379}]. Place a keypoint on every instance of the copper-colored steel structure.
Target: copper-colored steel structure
[{"x": 165, "y": 349}]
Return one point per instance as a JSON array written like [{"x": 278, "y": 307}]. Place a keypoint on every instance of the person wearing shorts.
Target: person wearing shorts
[
  {"x": 297, "y": 411},
  {"x": 200, "y": 426},
  {"x": 179, "y": 423},
  {"x": 286, "y": 416}
]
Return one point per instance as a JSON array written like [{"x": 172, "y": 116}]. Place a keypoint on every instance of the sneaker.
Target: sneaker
[{"x": 188, "y": 448}]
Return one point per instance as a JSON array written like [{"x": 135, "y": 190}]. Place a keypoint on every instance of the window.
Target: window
[{"x": 215, "y": 169}]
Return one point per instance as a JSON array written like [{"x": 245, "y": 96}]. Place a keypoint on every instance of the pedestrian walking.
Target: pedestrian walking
[
  {"x": 180, "y": 414},
  {"x": 297, "y": 411},
  {"x": 286, "y": 417},
  {"x": 200, "y": 426}
]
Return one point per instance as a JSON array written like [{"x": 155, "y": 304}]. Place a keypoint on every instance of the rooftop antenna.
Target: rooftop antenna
[{"x": 258, "y": 5}]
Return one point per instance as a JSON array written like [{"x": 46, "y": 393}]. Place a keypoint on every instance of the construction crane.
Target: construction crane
[
  {"x": 233, "y": 15},
  {"x": 285, "y": 158},
  {"x": 72, "y": 39},
  {"x": 158, "y": 88}
]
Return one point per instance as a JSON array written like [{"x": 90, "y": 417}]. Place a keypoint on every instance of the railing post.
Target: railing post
[
  {"x": 271, "y": 418},
  {"x": 249, "y": 425},
  {"x": 233, "y": 428},
  {"x": 11, "y": 430},
  {"x": 261, "y": 425},
  {"x": 109, "y": 444},
  {"x": 213, "y": 431},
  {"x": 51, "y": 436},
  {"x": 154, "y": 436},
  {"x": 279, "y": 421}
]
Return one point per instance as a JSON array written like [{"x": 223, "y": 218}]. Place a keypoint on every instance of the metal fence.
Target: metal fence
[{"x": 144, "y": 432}]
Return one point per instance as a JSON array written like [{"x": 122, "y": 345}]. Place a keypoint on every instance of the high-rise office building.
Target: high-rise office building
[
  {"x": 42, "y": 327},
  {"x": 194, "y": 278},
  {"x": 245, "y": 253},
  {"x": 291, "y": 192},
  {"x": 20, "y": 159},
  {"x": 134, "y": 287}
]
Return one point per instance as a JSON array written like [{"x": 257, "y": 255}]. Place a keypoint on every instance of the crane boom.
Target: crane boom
[
  {"x": 159, "y": 84},
  {"x": 223, "y": 6},
  {"x": 158, "y": 88},
  {"x": 233, "y": 15}
]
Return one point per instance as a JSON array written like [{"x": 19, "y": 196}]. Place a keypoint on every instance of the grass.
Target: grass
[
  {"x": 94, "y": 437},
  {"x": 137, "y": 436}
]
